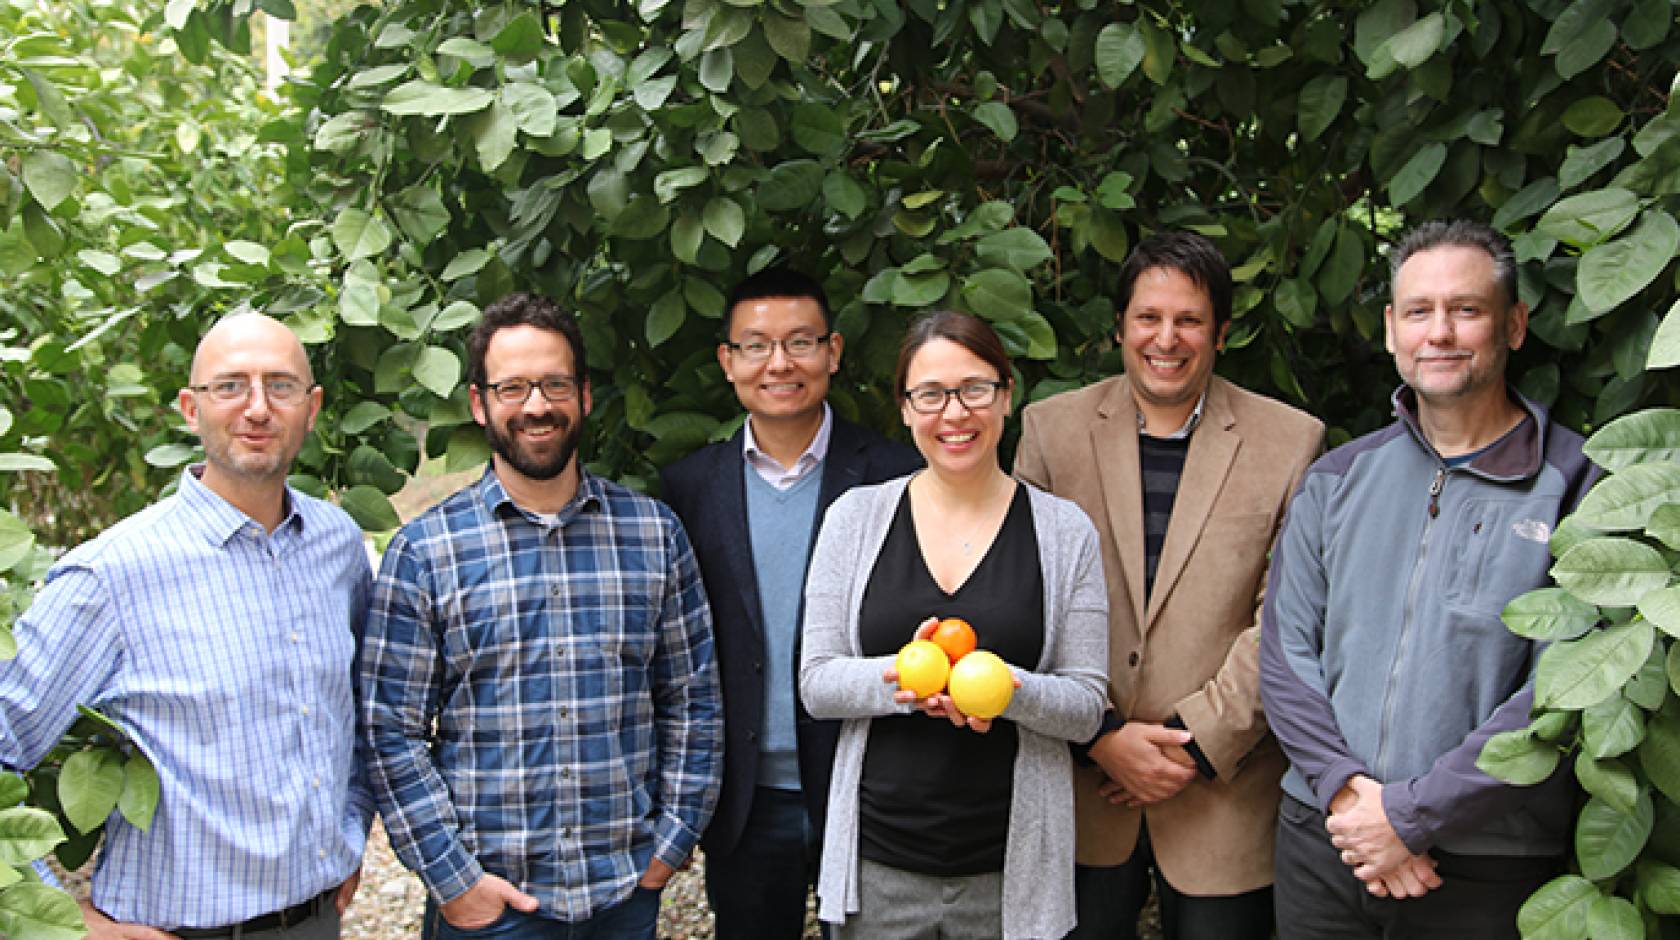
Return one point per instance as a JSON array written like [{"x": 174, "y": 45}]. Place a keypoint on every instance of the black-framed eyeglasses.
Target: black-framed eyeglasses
[
  {"x": 278, "y": 389},
  {"x": 801, "y": 346},
  {"x": 555, "y": 388},
  {"x": 931, "y": 399}
]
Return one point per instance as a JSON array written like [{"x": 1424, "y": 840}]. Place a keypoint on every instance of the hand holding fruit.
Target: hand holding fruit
[{"x": 945, "y": 676}]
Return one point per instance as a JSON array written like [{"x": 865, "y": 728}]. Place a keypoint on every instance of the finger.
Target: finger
[
  {"x": 889, "y": 674},
  {"x": 1424, "y": 867},
  {"x": 520, "y": 901},
  {"x": 1109, "y": 788},
  {"x": 979, "y": 725},
  {"x": 926, "y": 629},
  {"x": 1350, "y": 859},
  {"x": 1377, "y": 888},
  {"x": 1160, "y": 734}
]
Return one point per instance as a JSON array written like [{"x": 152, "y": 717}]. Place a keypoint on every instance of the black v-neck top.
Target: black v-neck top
[{"x": 934, "y": 798}]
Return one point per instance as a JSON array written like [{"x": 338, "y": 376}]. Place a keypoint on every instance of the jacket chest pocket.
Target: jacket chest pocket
[{"x": 1492, "y": 551}]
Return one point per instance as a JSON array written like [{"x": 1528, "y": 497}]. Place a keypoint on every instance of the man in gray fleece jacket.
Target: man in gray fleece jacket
[{"x": 1384, "y": 663}]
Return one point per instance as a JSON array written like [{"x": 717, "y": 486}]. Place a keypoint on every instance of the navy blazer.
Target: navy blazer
[{"x": 708, "y": 491}]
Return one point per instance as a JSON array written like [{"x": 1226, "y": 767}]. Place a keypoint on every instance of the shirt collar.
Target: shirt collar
[
  {"x": 218, "y": 519},
  {"x": 1189, "y": 423},
  {"x": 590, "y": 493},
  {"x": 814, "y": 452}
]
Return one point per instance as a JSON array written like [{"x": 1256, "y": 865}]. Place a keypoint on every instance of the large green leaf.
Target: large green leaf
[
  {"x": 1610, "y": 572},
  {"x": 1320, "y": 102},
  {"x": 1659, "y": 754},
  {"x": 1518, "y": 757},
  {"x": 1119, "y": 51},
  {"x": 1659, "y": 887},
  {"x": 791, "y": 185},
  {"x": 1615, "y": 271},
  {"x": 1549, "y": 614},
  {"x": 1665, "y": 345},
  {"x": 359, "y": 235},
  {"x": 140, "y": 791},
  {"x": 1625, "y": 500},
  {"x": 1607, "y": 839},
  {"x": 1019, "y": 248},
  {"x": 1590, "y": 218},
  {"x": 89, "y": 786},
  {"x": 430, "y": 100},
  {"x": 1614, "y": 918},
  {"x": 16, "y": 540},
  {"x": 1419, "y": 172},
  {"x": 37, "y": 912},
  {"x": 1649, "y": 435},
  {"x": 49, "y": 176},
  {"x": 1611, "y": 781},
  {"x": 26, "y": 834},
  {"x": 1585, "y": 671},
  {"x": 369, "y": 507},
  {"x": 438, "y": 370},
  {"x": 997, "y": 294},
  {"x": 725, "y": 220},
  {"x": 1558, "y": 911}
]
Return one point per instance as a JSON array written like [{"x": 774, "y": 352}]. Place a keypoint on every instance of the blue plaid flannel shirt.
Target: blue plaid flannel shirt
[{"x": 540, "y": 699}]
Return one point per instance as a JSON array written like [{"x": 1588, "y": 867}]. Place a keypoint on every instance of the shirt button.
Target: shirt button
[
  {"x": 315, "y": 782},
  {"x": 297, "y": 637},
  {"x": 1132, "y": 660},
  {"x": 320, "y": 853},
  {"x": 304, "y": 709},
  {"x": 566, "y": 833},
  {"x": 555, "y": 590},
  {"x": 565, "y": 773}
]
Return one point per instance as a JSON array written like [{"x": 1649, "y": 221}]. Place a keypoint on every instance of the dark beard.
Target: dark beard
[{"x": 529, "y": 465}]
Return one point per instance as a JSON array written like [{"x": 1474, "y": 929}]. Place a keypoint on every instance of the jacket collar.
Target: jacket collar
[{"x": 1516, "y": 456}]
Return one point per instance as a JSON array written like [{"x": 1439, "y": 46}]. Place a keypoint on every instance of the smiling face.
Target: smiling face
[
  {"x": 958, "y": 440},
  {"x": 1451, "y": 327},
  {"x": 536, "y": 439},
  {"x": 252, "y": 439},
  {"x": 1168, "y": 342},
  {"x": 782, "y": 387}
]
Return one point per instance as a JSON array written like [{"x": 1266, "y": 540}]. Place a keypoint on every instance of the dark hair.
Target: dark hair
[
  {"x": 965, "y": 329},
  {"x": 1189, "y": 253},
  {"x": 523, "y": 309},
  {"x": 1460, "y": 233},
  {"x": 777, "y": 282}
]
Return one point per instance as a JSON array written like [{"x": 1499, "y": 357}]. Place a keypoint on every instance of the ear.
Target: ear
[
  {"x": 723, "y": 360},
  {"x": 1516, "y": 325},
  {"x": 1388, "y": 328},
  {"x": 1219, "y": 336},
  {"x": 188, "y": 403},
  {"x": 836, "y": 345},
  {"x": 475, "y": 401},
  {"x": 585, "y": 402},
  {"x": 314, "y": 407}
]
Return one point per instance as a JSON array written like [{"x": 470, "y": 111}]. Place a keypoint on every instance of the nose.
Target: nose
[
  {"x": 952, "y": 398},
  {"x": 257, "y": 405},
  {"x": 1441, "y": 327},
  {"x": 779, "y": 358}
]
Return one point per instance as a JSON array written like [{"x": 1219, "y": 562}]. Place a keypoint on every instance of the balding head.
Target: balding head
[{"x": 246, "y": 332}]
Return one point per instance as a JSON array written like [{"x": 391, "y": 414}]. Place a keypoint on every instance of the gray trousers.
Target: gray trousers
[
  {"x": 1317, "y": 897},
  {"x": 903, "y": 905}
]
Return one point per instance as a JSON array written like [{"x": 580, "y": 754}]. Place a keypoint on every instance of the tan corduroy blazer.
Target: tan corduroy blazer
[{"x": 1195, "y": 650}]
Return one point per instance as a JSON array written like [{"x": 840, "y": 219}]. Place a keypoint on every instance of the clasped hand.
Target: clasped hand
[
  {"x": 1145, "y": 763},
  {"x": 1359, "y": 826},
  {"x": 938, "y": 705}
]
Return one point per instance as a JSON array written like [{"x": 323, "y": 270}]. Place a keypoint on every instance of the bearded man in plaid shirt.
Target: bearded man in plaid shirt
[{"x": 539, "y": 697}]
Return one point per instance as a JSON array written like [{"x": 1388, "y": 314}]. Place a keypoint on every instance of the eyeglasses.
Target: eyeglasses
[
  {"x": 796, "y": 347},
  {"x": 555, "y": 388},
  {"x": 278, "y": 389},
  {"x": 931, "y": 399}
]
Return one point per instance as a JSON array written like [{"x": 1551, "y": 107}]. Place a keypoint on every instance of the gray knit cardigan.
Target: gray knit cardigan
[{"x": 1061, "y": 700}]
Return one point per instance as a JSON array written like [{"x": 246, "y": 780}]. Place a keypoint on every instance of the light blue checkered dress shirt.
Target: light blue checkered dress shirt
[
  {"x": 226, "y": 653},
  {"x": 540, "y": 699}
]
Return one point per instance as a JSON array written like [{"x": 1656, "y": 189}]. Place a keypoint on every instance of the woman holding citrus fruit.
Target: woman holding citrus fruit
[{"x": 944, "y": 820}]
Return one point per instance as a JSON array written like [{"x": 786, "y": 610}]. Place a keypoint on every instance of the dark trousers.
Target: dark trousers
[
  {"x": 634, "y": 918},
  {"x": 757, "y": 891},
  {"x": 1110, "y": 899},
  {"x": 1319, "y": 899}
]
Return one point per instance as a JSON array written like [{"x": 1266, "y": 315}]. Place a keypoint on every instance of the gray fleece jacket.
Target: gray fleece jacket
[
  {"x": 1060, "y": 701},
  {"x": 1382, "y": 651}
]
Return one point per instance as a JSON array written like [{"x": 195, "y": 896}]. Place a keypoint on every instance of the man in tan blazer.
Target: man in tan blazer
[{"x": 1186, "y": 477}]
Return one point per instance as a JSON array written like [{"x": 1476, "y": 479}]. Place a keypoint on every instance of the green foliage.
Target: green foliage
[{"x": 1614, "y": 660}]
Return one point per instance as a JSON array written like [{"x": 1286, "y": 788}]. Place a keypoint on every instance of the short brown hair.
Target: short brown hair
[{"x": 965, "y": 329}]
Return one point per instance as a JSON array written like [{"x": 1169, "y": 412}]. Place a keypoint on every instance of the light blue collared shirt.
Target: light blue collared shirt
[{"x": 225, "y": 652}]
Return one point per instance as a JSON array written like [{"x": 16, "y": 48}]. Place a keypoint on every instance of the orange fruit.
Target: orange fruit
[
  {"x": 982, "y": 685},
  {"x": 922, "y": 668},
  {"x": 955, "y": 637}
]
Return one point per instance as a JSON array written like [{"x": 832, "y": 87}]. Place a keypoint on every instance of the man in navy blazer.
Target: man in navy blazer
[{"x": 752, "y": 506}]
